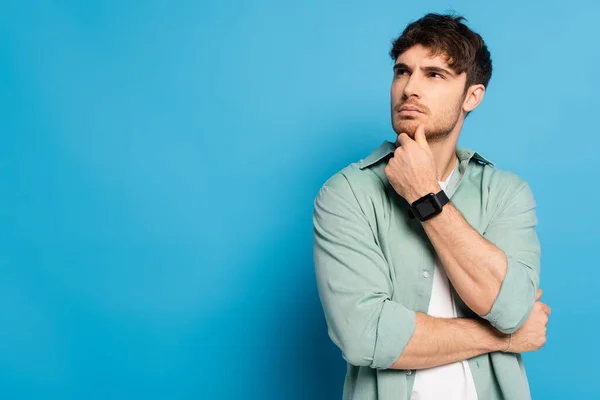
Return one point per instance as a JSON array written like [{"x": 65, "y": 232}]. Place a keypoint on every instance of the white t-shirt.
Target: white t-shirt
[{"x": 451, "y": 381}]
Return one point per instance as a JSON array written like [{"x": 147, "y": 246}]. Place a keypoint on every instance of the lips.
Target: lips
[{"x": 409, "y": 108}]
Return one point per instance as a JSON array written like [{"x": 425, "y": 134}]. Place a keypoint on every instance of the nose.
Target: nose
[{"x": 411, "y": 89}]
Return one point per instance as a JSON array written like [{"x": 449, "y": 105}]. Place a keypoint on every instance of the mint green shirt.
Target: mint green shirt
[{"x": 371, "y": 261}]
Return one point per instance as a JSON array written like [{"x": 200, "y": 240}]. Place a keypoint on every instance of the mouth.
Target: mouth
[{"x": 409, "y": 110}]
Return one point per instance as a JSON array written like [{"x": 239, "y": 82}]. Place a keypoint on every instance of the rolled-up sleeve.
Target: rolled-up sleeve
[
  {"x": 354, "y": 283},
  {"x": 514, "y": 232}
]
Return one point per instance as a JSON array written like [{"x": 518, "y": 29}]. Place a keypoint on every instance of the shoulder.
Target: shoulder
[
  {"x": 363, "y": 178},
  {"x": 508, "y": 192},
  {"x": 498, "y": 182},
  {"x": 505, "y": 181}
]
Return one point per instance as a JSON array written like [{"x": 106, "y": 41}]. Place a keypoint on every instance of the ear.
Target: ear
[{"x": 473, "y": 97}]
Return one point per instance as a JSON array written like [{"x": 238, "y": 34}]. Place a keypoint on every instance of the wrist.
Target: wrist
[
  {"x": 417, "y": 194},
  {"x": 498, "y": 341}
]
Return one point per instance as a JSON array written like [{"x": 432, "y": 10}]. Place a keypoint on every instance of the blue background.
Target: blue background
[{"x": 159, "y": 162}]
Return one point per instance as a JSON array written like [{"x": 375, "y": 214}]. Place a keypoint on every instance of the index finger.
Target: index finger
[{"x": 403, "y": 138}]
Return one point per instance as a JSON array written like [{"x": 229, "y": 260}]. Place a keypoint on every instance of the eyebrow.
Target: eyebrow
[{"x": 426, "y": 69}]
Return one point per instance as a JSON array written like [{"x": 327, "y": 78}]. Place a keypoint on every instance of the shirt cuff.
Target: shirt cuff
[
  {"x": 395, "y": 328},
  {"x": 515, "y": 299}
]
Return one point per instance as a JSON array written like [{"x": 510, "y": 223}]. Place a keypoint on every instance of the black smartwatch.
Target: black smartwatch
[{"x": 428, "y": 206}]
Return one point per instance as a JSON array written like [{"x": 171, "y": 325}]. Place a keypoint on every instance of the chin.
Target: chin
[{"x": 408, "y": 126}]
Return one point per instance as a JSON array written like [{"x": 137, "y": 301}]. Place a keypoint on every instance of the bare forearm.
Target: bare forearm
[
  {"x": 440, "y": 341},
  {"x": 475, "y": 266}
]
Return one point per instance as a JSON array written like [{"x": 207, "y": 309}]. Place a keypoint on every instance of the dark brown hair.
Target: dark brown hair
[{"x": 447, "y": 34}]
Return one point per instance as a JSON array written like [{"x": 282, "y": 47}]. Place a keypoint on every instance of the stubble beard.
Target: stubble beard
[{"x": 442, "y": 126}]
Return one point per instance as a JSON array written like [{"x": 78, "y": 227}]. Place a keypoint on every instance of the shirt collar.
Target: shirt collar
[{"x": 388, "y": 148}]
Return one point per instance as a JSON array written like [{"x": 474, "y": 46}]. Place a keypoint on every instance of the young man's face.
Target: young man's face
[{"x": 426, "y": 91}]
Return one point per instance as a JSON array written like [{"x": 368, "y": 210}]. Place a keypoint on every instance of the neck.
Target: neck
[{"x": 444, "y": 153}]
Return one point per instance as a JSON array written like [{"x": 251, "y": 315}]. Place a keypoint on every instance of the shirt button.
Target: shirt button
[
  {"x": 409, "y": 372},
  {"x": 425, "y": 274}
]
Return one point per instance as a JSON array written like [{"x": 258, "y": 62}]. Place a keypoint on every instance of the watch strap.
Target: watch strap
[{"x": 442, "y": 197}]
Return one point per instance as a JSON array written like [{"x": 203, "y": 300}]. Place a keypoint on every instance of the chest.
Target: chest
[{"x": 410, "y": 255}]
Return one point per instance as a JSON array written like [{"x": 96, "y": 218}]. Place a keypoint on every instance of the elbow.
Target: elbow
[
  {"x": 358, "y": 350},
  {"x": 515, "y": 299},
  {"x": 506, "y": 319},
  {"x": 382, "y": 344},
  {"x": 511, "y": 317},
  {"x": 356, "y": 358},
  {"x": 506, "y": 327}
]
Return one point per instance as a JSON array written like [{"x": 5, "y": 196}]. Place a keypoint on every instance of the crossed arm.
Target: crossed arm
[
  {"x": 439, "y": 341},
  {"x": 496, "y": 275}
]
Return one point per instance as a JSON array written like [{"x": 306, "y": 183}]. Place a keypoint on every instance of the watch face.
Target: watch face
[{"x": 427, "y": 206}]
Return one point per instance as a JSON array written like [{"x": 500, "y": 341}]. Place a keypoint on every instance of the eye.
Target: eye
[
  {"x": 436, "y": 75},
  {"x": 401, "y": 71}
]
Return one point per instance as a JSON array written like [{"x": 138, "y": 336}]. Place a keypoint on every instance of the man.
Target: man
[{"x": 427, "y": 258}]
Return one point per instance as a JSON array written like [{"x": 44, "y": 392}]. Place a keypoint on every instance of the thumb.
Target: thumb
[
  {"x": 539, "y": 295},
  {"x": 420, "y": 136}
]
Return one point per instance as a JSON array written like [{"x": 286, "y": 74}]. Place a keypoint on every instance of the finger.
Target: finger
[
  {"x": 545, "y": 307},
  {"x": 403, "y": 139},
  {"x": 420, "y": 136},
  {"x": 539, "y": 295}
]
